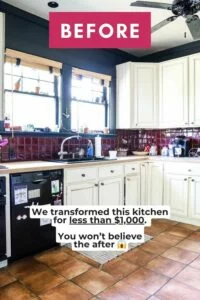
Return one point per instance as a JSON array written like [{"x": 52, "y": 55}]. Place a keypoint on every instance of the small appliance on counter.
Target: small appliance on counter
[{"x": 180, "y": 146}]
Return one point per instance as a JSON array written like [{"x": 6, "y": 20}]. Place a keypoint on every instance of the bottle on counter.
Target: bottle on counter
[
  {"x": 7, "y": 124},
  {"x": 164, "y": 151},
  {"x": 90, "y": 149}
]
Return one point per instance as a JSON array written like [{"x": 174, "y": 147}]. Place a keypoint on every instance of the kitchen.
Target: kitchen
[{"x": 166, "y": 267}]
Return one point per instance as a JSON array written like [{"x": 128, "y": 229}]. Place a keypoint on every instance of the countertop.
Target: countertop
[{"x": 29, "y": 166}]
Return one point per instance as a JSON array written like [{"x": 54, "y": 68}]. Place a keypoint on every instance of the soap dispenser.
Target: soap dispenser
[{"x": 90, "y": 149}]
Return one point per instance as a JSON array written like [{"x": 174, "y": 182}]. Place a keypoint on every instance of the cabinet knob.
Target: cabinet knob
[
  {"x": 133, "y": 169},
  {"x": 189, "y": 170},
  {"x": 192, "y": 180},
  {"x": 83, "y": 175},
  {"x": 136, "y": 124},
  {"x": 102, "y": 183},
  {"x": 185, "y": 179},
  {"x": 112, "y": 171},
  {"x": 128, "y": 179},
  {"x": 186, "y": 123},
  {"x": 96, "y": 184},
  {"x": 192, "y": 122}
]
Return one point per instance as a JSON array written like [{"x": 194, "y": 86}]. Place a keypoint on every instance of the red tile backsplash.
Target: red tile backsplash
[
  {"x": 138, "y": 139},
  {"x": 44, "y": 148}
]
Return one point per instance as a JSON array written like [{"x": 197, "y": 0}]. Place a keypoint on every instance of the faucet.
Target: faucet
[{"x": 61, "y": 153}]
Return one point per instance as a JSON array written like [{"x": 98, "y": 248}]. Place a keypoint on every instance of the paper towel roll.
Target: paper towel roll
[{"x": 98, "y": 146}]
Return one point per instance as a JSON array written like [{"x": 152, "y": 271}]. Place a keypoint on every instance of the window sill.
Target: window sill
[{"x": 57, "y": 134}]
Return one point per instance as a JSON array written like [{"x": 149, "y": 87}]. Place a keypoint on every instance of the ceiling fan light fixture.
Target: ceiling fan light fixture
[{"x": 53, "y": 4}]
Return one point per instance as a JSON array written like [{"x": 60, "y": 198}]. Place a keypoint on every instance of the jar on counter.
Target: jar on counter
[
  {"x": 7, "y": 124},
  {"x": 164, "y": 151}
]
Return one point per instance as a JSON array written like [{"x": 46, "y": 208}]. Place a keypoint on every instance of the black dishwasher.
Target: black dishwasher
[{"x": 29, "y": 236}]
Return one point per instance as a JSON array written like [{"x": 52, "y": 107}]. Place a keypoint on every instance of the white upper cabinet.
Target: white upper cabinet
[
  {"x": 145, "y": 95},
  {"x": 124, "y": 103},
  {"x": 173, "y": 93},
  {"x": 194, "y": 91},
  {"x": 137, "y": 93},
  {"x": 2, "y": 45}
]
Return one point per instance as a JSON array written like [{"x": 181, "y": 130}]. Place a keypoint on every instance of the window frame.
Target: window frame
[
  {"x": 55, "y": 89},
  {"x": 106, "y": 94}
]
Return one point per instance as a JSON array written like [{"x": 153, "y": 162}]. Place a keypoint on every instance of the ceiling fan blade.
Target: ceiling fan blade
[
  {"x": 152, "y": 4},
  {"x": 163, "y": 23},
  {"x": 193, "y": 24}
]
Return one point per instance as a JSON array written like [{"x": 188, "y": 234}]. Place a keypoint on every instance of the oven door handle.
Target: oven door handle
[{"x": 39, "y": 181}]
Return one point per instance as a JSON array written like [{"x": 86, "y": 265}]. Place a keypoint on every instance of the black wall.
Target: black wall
[
  {"x": 28, "y": 33},
  {"x": 174, "y": 52}
]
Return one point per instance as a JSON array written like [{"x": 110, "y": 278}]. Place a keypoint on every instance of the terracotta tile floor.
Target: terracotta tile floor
[{"x": 165, "y": 268}]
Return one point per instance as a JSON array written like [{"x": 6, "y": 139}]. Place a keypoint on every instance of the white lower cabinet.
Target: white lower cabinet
[
  {"x": 182, "y": 192},
  {"x": 94, "y": 186},
  {"x": 144, "y": 181},
  {"x": 155, "y": 184},
  {"x": 194, "y": 201},
  {"x": 82, "y": 194},
  {"x": 132, "y": 189},
  {"x": 111, "y": 191},
  {"x": 176, "y": 194},
  {"x": 151, "y": 183}
]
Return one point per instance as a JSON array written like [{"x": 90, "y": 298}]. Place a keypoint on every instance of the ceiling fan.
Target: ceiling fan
[{"x": 183, "y": 8}]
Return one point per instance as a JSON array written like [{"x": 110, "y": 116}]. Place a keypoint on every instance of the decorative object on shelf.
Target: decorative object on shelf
[
  {"x": 85, "y": 129},
  {"x": 106, "y": 130},
  {"x": 17, "y": 84},
  {"x": 37, "y": 89}
]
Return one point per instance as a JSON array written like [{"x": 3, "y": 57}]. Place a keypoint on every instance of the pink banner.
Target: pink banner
[{"x": 100, "y": 30}]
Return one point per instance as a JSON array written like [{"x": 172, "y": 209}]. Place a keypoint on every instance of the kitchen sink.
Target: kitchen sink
[{"x": 79, "y": 160}]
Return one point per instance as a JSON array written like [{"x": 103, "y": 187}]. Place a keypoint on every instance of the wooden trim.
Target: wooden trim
[
  {"x": 32, "y": 60},
  {"x": 86, "y": 73}
]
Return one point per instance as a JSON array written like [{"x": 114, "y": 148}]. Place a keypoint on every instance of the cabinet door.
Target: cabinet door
[
  {"x": 144, "y": 181},
  {"x": 145, "y": 88},
  {"x": 132, "y": 190},
  {"x": 111, "y": 191},
  {"x": 176, "y": 194},
  {"x": 194, "y": 75},
  {"x": 174, "y": 93},
  {"x": 194, "y": 197},
  {"x": 82, "y": 194},
  {"x": 155, "y": 184},
  {"x": 124, "y": 113}
]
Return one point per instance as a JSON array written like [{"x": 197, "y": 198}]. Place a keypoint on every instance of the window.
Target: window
[
  {"x": 90, "y": 100},
  {"x": 31, "y": 94}
]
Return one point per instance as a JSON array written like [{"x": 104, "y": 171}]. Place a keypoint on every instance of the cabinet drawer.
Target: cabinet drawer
[
  {"x": 111, "y": 171},
  {"x": 81, "y": 174},
  {"x": 182, "y": 168},
  {"x": 132, "y": 168}
]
